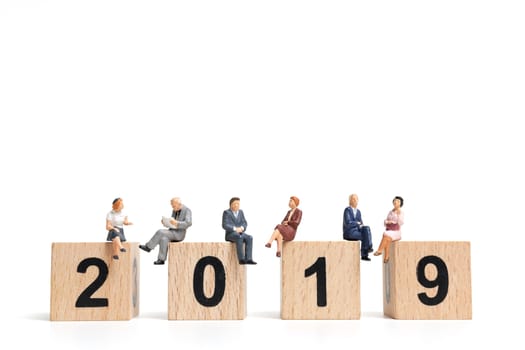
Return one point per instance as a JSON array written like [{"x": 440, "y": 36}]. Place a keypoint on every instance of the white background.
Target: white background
[{"x": 206, "y": 100}]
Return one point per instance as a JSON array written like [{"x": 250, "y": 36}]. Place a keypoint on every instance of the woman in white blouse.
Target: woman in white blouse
[{"x": 115, "y": 220}]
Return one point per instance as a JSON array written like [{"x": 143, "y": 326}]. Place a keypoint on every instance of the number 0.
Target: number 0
[{"x": 198, "y": 281}]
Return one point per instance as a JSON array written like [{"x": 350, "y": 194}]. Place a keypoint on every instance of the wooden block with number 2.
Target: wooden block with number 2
[{"x": 87, "y": 284}]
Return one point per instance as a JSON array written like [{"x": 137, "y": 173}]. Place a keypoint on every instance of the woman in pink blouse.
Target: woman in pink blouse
[{"x": 393, "y": 222}]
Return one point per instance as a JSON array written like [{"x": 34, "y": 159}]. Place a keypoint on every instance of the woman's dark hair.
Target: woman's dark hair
[{"x": 400, "y": 200}]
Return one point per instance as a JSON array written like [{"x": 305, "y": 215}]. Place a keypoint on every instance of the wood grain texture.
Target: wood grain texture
[
  {"x": 299, "y": 294},
  {"x": 121, "y": 287},
  {"x": 182, "y": 302},
  {"x": 401, "y": 286}
]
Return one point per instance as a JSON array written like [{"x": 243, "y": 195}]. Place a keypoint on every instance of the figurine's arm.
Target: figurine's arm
[
  {"x": 109, "y": 226},
  {"x": 227, "y": 223},
  {"x": 348, "y": 219},
  {"x": 401, "y": 218},
  {"x": 295, "y": 220},
  {"x": 186, "y": 221}
]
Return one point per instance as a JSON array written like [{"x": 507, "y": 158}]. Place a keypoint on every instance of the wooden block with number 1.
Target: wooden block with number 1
[
  {"x": 320, "y": 280},
  {"x": 88, "y": 284}
]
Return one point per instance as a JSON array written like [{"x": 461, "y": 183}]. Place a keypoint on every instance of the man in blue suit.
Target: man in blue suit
[
  {"x": 354, "y": 230},
  {"x": 234, "y": 223}
]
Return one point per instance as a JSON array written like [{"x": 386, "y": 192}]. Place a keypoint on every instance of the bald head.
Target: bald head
[
  {"x": 176, "y": 203},
  {"x": 353, "y": 199}
]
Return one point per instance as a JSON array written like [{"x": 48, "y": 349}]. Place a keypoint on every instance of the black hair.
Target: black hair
[{"x": 400, "y": 199}]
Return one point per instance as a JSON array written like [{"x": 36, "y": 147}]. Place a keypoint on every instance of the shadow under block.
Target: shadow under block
[
  {"x": 428, "y": 281},
  {"x": 88, "y": 285},
  {"x": 206, "y": 282},
  {"x": 320, "y": 281}
]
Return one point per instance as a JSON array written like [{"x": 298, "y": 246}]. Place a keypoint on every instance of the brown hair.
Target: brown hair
[
  {"x": 233, "y": 200},
  {"x": 296, "y": 200},
  {"x": 116, "y": 203}
]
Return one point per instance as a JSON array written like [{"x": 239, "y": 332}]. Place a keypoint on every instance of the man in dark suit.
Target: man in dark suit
[
  {"x": 234, "y": 223},
  {"x": 354, "y": 230}
]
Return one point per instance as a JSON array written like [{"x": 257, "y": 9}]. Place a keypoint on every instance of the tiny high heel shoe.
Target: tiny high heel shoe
[
  {"x": 377, "y": 253},
  {"x": 268, "y": 245},
  {"x": 278, "y": 254}
]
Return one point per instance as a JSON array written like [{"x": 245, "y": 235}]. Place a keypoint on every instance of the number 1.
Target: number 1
[{"x": 319, "y": 268}]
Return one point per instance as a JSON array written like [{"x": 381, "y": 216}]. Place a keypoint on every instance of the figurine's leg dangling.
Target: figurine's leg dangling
[{"x": 387, "y": 248}]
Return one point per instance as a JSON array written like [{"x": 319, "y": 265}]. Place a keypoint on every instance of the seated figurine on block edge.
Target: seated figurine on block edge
[
  {"x": 393, "y": 223},
  {"x": 115, "y": 220},
  {"x": 287, "y": 229},
  {"x": 175, "y": 230},
  {"x": 353, "y": 228},
  {"x": 234, "y": 224}
]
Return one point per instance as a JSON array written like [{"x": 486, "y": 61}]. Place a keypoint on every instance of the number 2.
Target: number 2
[{"x": 84, "y": 299}]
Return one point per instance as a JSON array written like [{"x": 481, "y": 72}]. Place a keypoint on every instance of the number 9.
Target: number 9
[{"x": 441, "y": 280}]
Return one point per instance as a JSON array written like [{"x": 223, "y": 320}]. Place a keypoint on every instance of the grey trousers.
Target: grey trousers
[
  {"x": 243, "y": 243},
  {"x": 163, "y": 238}
]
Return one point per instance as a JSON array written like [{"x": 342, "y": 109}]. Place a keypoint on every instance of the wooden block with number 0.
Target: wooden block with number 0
[
  {"x": 87, "y": 284},
  {"x": 206, "y": 282},
  {"x": 320, "y": 280},
  {"x": 428, "y": 280}
]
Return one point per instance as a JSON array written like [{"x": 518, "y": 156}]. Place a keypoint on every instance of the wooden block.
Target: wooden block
[
  {"x": 320, "y": 280},
  {"x": 205, "y": 282},
  {"x": 428, "y": 281},
  {"x": 87, "y": 284}
]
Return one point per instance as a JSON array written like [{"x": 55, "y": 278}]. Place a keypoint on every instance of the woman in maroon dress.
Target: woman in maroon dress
[{"x": 286, "y": 230}]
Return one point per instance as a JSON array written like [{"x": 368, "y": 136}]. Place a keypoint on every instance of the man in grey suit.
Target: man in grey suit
[
  {"x": 234, "y": 223},
  {"x": 176, "y": 230}
]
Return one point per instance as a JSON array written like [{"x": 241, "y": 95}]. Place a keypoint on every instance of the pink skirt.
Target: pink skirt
[{"x": 395, "y": 235}]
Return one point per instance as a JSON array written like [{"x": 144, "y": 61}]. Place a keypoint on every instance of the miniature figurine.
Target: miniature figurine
[
  {"x": 234, "y": 224},
  {"x": 393, "y": 223},
  {"x": 115, "y": 220},
  {"x": 176, "y": 225},
  {"x": 287, "y": 229},
  {"x": 353, "y": 228}
]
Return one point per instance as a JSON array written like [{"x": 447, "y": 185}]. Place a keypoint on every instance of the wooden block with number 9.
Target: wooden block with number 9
[
  {"x": 88, "y": 284},
  {"x": 428, "y": 281}
]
